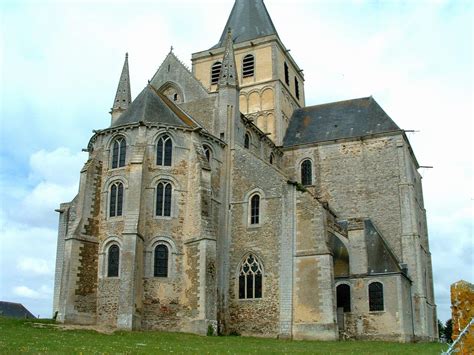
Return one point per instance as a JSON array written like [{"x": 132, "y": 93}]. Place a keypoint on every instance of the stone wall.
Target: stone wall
[{"x": 462, "y": 310}]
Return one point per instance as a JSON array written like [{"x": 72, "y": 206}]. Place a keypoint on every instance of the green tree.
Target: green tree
[
  {"x": 448, "y": 330},
  {"x": 441, "y": 329}
]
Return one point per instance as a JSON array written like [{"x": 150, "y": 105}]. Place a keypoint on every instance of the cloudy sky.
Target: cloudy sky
[{"x": 61, "y": 60}]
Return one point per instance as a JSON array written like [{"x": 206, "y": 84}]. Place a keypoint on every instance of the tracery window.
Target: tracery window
[
  {"x": 376, "y": 297},
  {"x": 287, "y": 74},
  {"x": 216, "y": 72},
  {"x": 306, "y": 172},
  {"x": 113, "y": 261},
  {"x": 163, "y": 199},
  {"x": 119, "y": 150},
  {"x": 248, "y": 65},
  {"x": 161, "y": 261},
  {"x": 250, "y": 278},
  {"x": 343, "y": 295},
  {"x": 247, "y": 141},
  {"x": 116, "y": 199},
  {"x": 255, "y": 209},
  {"x": 164, "y": 151}
]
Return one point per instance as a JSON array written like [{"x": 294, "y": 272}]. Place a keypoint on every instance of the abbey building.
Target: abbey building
[{"x": 217, "y": 200}]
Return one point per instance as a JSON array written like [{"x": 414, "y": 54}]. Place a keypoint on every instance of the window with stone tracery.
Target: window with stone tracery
[
  {"x": 164, "y": 192},
  {"x": 164, "y": 151},
  {"x": 250, "y": 278},
  {"x": 116, "y": 200},
  {"x": 119, "y": 150}
]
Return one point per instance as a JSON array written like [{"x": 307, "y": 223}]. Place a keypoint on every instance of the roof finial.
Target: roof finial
[
  {"x": 126, "y": 55},
  {"x": 171, "y": 49}
]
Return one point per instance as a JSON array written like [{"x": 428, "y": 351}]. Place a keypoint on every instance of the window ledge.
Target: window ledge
[
  {"x": 250, "y": 299},
  {"x": 166, "y": 218}
]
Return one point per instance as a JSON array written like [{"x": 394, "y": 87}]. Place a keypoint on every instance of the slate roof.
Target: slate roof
[
  {"x": 338, "y": 120},
  {"x": 152, "y": 106},
  {"x": 14, "y": 310},
  {"x": 249, "y": 19}
]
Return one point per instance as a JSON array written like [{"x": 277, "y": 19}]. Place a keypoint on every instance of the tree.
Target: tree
[
  {"x": 448, "y": 330},
  {"x": 441, "y": 330}
]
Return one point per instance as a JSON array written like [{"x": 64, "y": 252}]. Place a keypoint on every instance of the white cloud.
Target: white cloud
[
  {"x": 43, "y": 292},
  {"x": 35, "y": 266}
]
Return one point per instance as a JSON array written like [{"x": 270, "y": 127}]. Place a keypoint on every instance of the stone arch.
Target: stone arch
[
  {"x": 262, "y": 123},
  {"x": 271, "y": 125},
  {"x": 243, "y": 103},
  {"x": 254, "y": 102},
  {"x": 268, "y": 99},
  {"x": 172, "y": 91}
]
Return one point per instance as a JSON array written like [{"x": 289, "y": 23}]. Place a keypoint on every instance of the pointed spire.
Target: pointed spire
[
  {"x": 123, "y": 97},
  {"x": 228, "y": 75}
]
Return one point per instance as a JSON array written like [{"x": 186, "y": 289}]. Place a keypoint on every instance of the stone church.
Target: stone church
[{"x": 217, "y": 201}]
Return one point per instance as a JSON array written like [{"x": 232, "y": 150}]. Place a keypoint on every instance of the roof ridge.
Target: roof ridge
[{"x": 337, "y": 102}]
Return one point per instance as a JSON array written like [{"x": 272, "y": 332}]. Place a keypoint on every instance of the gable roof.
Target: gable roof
[
  {"x": 14, "y": 310},
  {"x": 338, "y": 120},
  {"x": 152, "y": 106},
  {"x": 249, "y": 19}
]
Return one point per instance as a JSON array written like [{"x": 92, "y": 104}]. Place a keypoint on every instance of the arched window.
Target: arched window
[
  {"x": 207, "y": 152},
  {"x": 164, "y": 151},
  {"x": 306, "y": 172},
  {"x": 113, "y": 261},
  {"x": 376, "y": 297},
  {"x": 116, "y": 199},
  {"x": 250, "y": 278},
  {"x": 272, "y": 158},
  {"x": 216, "y": 72},
  {"x": 255, "y": 209},
  {"x": 343, "y": 295},
  {"x": 287, "y": 74},
  {"x": 161, "y": 261},
  {"x": 119, "y": 150},
  {"x": 248, "y": 66},
  {"x": 163, "y": 199},
  {"x": 247, "y": 141}
]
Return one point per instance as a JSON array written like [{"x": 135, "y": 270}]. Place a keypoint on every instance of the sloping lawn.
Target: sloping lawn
[{"x": 33, "y": 336}]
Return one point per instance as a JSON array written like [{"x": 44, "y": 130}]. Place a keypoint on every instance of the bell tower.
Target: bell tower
[{"x": 271, "y": 83}]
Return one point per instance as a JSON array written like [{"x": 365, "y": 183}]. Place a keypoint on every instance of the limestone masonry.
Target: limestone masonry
[{"x": 217, "y": 201}]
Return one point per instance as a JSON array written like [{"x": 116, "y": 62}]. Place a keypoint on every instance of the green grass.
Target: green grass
[{"x": 34, "y": 336}]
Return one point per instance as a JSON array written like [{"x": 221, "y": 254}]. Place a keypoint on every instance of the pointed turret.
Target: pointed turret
[
  {"x": 249, "y": 20},
  {"x": 228, "y": 75},
  {"x": 123, "y": 97}
]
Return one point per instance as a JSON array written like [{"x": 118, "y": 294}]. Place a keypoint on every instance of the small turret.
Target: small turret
[
  {"x": 228, "y": 75},
  {"x": 123, "y": 97}
]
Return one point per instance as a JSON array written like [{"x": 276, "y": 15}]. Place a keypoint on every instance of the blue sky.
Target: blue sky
[{"x": 61, "y": 60}]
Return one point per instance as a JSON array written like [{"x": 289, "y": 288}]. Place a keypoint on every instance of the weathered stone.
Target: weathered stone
[{"x": 462, "y": 310}]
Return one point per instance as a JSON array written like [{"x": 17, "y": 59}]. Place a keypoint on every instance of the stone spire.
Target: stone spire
[
  {"x": 123, "y": 97},
  {"x": 228, "y": 75}
]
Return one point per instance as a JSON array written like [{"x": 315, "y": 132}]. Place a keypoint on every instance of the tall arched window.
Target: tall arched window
[
  {"x": 119, "y": 150},
  {"x": 255, "y": 209},
  {"x": 247, "y": 141},
  {"x": 113, "y": 261},
  {"x": 116, "y": 199},
  {"x": 161, "y": 261},
  {"x": 248, "y": 66},
  {"x": 272, "y": 158},
  {"x": 376, "y": 296},
  {"x": 287, "y": 74},
  {"x": 250, "y": 278},
  {"x": 216, "y": 72},
  {"x": 343, "y": 295},
  {"x": 306, "y": 173},
  {"x": 163, "y": 199},
  {"x": 164, "y": 151},
  {"x": 297, "y": 88}
]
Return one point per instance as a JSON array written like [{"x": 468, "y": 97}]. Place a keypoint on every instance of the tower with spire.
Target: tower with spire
[{"x": 217, "y": 202}]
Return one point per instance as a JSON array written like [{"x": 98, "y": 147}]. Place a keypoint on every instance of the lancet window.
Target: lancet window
[
  {"x": 306, "y": 172},
  {"x": 164, "y": 192},
  {"x": 164, "y": 151},
  {"x": 116, "y": 199},
  {"x": 161, "y": 261},
  {"x": 113, "y": 261},
  {"x": 119, "y": 151}
]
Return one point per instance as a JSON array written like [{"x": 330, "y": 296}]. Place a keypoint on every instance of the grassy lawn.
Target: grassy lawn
[{"x": 33, "y": 336}]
